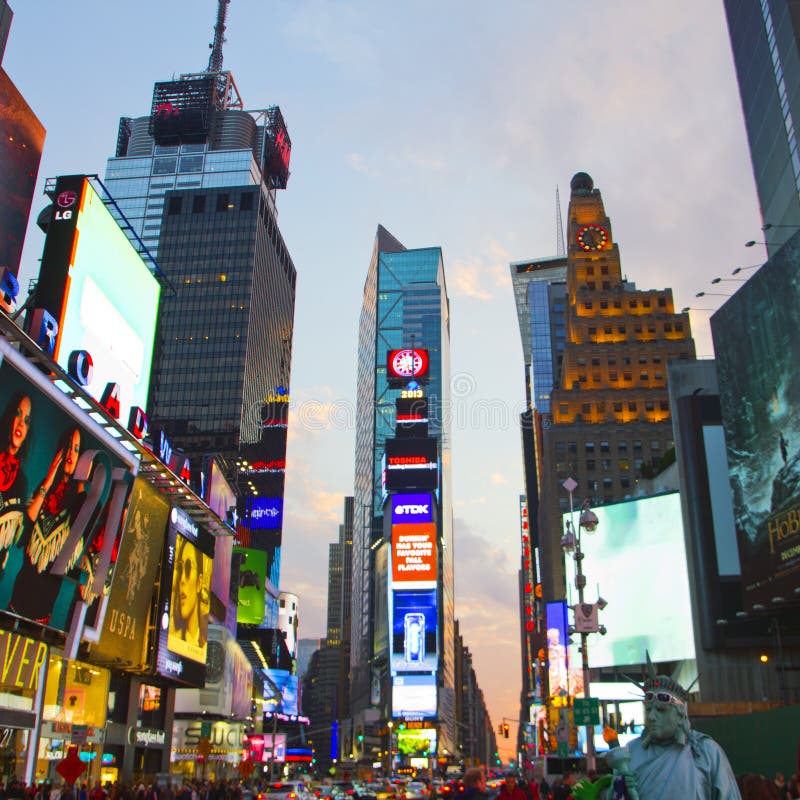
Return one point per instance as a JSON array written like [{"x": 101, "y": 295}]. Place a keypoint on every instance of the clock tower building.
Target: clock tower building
[{"x": 607, "y": 423}]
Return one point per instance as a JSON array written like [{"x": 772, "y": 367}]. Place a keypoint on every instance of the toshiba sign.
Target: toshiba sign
[{"x": 411, "y": 464}]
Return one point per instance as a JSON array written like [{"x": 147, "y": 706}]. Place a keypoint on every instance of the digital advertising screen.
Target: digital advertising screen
[
  {"x": 564, "y": 674},
  {"x": 122, "y": 639},
  {"x": 757, "y": 350},
  {"x": 414, "y": 696},
  {"x": 411, "y": 464},
  {"x": 264, "y": 513},
  {"x": 280, "y": 692},
  {"x": 21, "y": 143},
  {"x": 185, "y": 600},
  {"x": 634, "y": 541},
  {"x": 224, "y": 591},
  {"x": 100, "y": 293},
  {"x": 414, "y": 551},
  {"x": 252, "y": 583},
  {"x": 417, "y": 742},
  {"x": 219, "y": 496},
  {"x": 58, "y": 464},
  {"x": 405, "y": 365},
  {"x": 414, "y": 634}
]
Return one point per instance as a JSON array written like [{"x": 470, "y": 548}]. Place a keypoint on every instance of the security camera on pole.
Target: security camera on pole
[{"x": 586, "y": 712}]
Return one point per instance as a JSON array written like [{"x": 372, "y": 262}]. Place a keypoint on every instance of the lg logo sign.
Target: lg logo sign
[{"x": 410, "y": 508}]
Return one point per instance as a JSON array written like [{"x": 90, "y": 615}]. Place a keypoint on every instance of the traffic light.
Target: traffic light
[
  {"x": 499, "y": 728},
  {"x": 506, "y": 729}
]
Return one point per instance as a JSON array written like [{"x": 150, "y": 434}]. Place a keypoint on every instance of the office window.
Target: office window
[
  {"x": 223, "y": 201},
  {"x": 198, "y": 204},
  {"x": 175, "y": 204}
]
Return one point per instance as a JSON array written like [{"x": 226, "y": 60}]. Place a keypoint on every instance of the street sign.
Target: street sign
[
  {"x": 563, "y": 749},
  {"x": 205, "y": 730},
  {"x": 586, "y": 620},
  {"x": 586, "y": 711}
]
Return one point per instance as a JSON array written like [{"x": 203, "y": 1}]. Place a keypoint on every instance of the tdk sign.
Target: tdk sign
[{"x": 410, "y": 508}]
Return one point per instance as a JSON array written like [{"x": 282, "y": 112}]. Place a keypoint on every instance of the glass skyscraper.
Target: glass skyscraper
[
  {"x": 405, "y": 304},
  {"x": 765, "y": 39},
  {"x": 196, "y": 179}
]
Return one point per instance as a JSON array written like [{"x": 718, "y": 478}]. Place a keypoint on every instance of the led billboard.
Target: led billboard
[
  {"x": 414, "y": 696},
  {"x": 101, "y": 295},
  {"x": 564, "y": 673},
  {"x": 414, "y": 553},
  {"x": 264, "y": 513},
  {"x": 252, "y": 583},
  {"x": 757, "y": 351},
  {"x": 122, "y": 639},
  {"x": 405, "y": 365},
  {"x": 280, "y": 692},
  {"x": 411, "y": 464},
  {"x": 62, "y": 478},
  {"x": 634, "y": 541},
  {"x": 185, "y": 600},
  {"x": 414, "y": 631},
  {"x": 21, "y": 142},
  {"x": 417, "y": 742}
]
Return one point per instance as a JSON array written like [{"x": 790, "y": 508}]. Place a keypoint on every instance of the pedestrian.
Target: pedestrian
[
  {"x": 783, "y": 789},
  {"x": 510, "y": 791},
  {"x": 474, "y": 784}
]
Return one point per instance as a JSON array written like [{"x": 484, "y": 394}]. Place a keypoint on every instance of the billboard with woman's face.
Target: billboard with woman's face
[
  {"x": 185, "y": 600},
  {"x": 56, "y": 490}
]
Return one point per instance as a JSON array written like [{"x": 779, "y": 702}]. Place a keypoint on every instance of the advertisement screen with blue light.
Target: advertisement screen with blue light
[
  {"x": 414, "y": 618},
  {"x": 634, "y": 541},
  {"x": 264, "y": 513},
  {"x": 280, "y": 692}
]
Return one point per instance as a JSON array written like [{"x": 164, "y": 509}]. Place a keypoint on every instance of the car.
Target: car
[
  {"x": 381, "y": 791},
  {"x": 342, "y": 789},
  {"x": 285, "y": 790},
  {"x": 416, "y": 790}
]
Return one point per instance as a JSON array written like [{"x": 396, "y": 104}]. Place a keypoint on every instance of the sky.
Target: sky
[{"x": 451, "y": 123}]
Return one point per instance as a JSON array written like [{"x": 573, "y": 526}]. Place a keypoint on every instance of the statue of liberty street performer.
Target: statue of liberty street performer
[{"x": 669, "y": 760}]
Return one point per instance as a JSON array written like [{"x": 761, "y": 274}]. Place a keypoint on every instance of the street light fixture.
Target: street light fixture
[
  {"x": 737, "y": 270},
  {"x": 712, "y": 294},
  {"x": 571, "y": 544},
  {"x": 732, "y": 280}
]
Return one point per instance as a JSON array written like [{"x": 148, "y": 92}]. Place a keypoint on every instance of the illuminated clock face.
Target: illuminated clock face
[
  {"x": 407, "y": 363},
  {"x": 592, "y": 237}
]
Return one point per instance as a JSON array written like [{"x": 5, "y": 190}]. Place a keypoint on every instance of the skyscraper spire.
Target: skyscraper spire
[
  {"x": 561, "y": 249},
  {"x": 215, "y": 59}
]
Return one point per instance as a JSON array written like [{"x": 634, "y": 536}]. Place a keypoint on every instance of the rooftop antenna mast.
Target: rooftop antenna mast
[
  {"x": 561, "y": 249},
  {"x": 215, "y": 59}
]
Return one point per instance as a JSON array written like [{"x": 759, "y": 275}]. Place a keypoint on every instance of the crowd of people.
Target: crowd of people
[{"x": 142, "y": 790}]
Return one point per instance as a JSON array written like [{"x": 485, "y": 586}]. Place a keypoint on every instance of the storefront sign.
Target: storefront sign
[
  {"x": 146, "y": 737},
  {"x": 20, "y": 660}
]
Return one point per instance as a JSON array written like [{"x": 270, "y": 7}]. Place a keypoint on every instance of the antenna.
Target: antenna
[
  {"x": 215, "y": 59},
  {"x": 561, "y": 250}
]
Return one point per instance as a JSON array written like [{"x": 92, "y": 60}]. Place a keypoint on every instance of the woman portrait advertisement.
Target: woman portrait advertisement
[
  {"x": 15, "y": 436},
  {"x": 191, "y": 579},
  {"x": 51, "y": 511}
]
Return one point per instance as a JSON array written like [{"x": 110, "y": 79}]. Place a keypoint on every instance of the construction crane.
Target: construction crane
[{"x": 215, "y": 59}]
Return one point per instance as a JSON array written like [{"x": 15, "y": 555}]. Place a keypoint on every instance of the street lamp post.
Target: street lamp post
[
  {"x": 571, "y": 543},
  {"x": 390, "y": 725}
]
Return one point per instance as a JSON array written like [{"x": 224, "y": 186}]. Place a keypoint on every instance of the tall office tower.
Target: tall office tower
[
  {"x": 405, "y": 306},
  {"x": 197, "y": 178},
  {"x": 21, "y": 143},
  {"x": 765, "y": 39},
  {"x": 607, "y": 420}
]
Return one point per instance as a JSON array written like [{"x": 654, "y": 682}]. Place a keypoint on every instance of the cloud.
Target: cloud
[
  {"x": 465, "y": 279},
  {"x": 357, "y": 163},
  {"x": 497, "y": 479}
]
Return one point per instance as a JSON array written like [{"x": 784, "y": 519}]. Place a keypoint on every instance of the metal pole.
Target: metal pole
[{"x": 274, "y": 735}]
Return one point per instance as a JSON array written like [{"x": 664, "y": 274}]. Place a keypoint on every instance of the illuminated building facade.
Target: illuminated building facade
[
  {"x": 405, "y": 305},
  {"x": 765, "y": 40},
  {"x": 606, "y": 421}
]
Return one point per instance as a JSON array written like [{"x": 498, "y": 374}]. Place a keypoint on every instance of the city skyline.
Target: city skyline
[{"x": 462, "y": 148}]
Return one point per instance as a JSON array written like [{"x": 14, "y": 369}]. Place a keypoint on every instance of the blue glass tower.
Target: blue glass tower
[{"x": 405, "y": 304}]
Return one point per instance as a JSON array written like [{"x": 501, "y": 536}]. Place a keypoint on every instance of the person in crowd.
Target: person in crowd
[
  {"x": 783, "y": 789},
  {"x": 510, "y": 791},
  {"x": 475, "y": 784}
]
